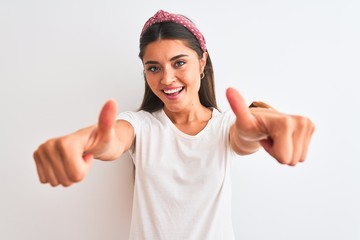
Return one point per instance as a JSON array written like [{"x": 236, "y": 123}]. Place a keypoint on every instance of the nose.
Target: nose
[{"x": 168, "y": 77}]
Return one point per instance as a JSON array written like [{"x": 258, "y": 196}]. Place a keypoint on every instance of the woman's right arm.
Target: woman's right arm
[{"x": 66, "y": 160}]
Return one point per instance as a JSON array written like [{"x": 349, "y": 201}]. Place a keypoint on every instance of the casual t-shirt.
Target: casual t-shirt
[{"x": 182, "y": 182}]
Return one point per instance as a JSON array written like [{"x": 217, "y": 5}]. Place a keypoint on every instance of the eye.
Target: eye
[
  {"x": 153, "y": 69},
  {"x": 179, "y": 64}
]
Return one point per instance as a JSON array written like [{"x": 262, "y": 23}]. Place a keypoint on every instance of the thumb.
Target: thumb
[
  {"x": 107, "y": 118},
  {"x": 97, "y": 143},
  {"x": 239, "y": 107}
]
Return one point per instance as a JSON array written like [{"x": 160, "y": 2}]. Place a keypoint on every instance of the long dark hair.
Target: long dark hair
[{"x": 171, "y": 30}]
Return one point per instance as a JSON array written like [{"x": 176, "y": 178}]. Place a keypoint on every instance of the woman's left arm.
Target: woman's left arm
[{"x": 285, "y": 137}]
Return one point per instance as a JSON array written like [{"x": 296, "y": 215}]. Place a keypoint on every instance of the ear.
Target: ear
[{"x": 203, "y": 61}]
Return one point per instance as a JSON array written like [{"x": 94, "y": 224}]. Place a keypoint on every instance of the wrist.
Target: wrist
[{"x": 240, "y": 145}]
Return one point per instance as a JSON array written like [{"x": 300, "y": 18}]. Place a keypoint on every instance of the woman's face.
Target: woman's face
[{"x": 172, "y": 71}]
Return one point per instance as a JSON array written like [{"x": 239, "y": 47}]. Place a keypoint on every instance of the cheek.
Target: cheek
[
  {"x": 194, "y": 80},
  {"x": 151, "y": 81},
  {"x": 152, "y": 86},
  {"x": 190, "y": 77}
]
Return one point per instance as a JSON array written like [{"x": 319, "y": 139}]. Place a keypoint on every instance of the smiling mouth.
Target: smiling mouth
[{"x": 175, "y": 91}]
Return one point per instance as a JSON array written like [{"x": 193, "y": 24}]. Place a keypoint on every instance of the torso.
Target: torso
[{"x": 182, "y": 181}]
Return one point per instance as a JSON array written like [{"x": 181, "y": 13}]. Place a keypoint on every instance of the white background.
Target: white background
[{"x": 61, "y": 60}]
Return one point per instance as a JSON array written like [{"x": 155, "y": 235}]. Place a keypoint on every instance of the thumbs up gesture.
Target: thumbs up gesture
[
  {"x": 284, "y": 137},
  {"x": 67, "y": 159}
]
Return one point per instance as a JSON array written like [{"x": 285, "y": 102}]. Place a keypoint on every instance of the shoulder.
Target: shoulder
[
  {"x": 133, "y": 116},
  {"x": 220, "y": 123},
  {"x": 226, "y": 117},
  {"x": 139, "y": 118}
]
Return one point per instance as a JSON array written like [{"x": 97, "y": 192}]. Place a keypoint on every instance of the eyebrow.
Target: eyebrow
[{"x": 171, "y": 59}]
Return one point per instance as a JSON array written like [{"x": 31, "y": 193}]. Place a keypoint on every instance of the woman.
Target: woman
[{"x": 180, "y": 143}]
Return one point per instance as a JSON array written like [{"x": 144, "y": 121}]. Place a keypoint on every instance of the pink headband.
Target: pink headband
[{"x": 162, "y": 16}]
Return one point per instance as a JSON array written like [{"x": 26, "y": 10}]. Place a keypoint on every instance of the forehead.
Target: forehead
[{"x": 167, "y": 48}]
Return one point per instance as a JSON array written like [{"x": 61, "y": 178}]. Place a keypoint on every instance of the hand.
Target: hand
[
  {"x": 285, "y": 137},
  {"x": 65, "y": 160}
]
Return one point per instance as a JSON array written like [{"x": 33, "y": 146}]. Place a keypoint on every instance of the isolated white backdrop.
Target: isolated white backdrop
[{"x": 61, "y": 60}]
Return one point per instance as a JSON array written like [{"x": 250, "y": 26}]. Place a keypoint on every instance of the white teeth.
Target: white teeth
[{"x": 171, "y": 91}]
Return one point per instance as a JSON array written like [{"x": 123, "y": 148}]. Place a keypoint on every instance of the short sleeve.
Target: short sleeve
[{"x": 132, "y": 118}]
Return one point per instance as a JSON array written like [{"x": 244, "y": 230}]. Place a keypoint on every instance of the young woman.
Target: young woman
[{"x": 181, "y": 145}]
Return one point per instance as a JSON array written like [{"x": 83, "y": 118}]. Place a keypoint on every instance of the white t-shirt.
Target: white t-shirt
[{"x": 182, "y": 182}]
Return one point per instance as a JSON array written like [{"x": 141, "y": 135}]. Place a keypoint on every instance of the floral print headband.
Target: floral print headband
[{"x": 162, "y": 16}]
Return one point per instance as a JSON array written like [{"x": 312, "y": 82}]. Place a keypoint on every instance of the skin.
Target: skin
[
  {"x": 177, "y": 66},
  {"x": 169, "y": 65}
]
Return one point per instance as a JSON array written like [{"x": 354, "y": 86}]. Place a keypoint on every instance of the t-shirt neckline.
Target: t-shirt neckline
[{"x": 185, "y": 135}]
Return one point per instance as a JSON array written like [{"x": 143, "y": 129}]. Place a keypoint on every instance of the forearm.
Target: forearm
[{"x": 105, "y": 145}]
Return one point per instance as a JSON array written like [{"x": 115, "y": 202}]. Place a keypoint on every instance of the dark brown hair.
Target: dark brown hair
[{"x": 171, "y": 30}]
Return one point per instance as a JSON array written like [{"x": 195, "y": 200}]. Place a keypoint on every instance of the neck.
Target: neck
[
  {"x": 191, "y": 121},
  {"x": 190, "y": 115}
]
